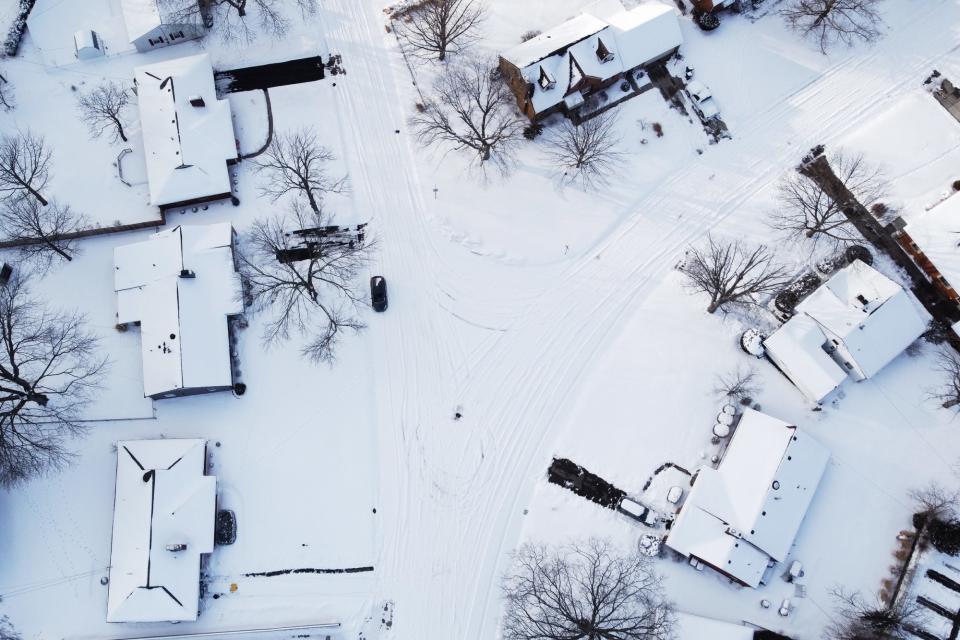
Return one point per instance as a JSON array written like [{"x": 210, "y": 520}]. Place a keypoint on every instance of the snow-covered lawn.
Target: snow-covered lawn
[{"x": 552, "y": 319}]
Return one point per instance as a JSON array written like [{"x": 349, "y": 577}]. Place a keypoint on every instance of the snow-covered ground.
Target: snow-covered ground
[{"x": 552, "y": 319}]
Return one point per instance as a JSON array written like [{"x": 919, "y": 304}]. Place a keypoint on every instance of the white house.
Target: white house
[
  {"x": 159, "y": 23},
  {"x": 747, "y": 512},
  {"x": 181, "y": 286},
  {"x": 188, "y": 137},
  {"x": 163, "y": 522},
  {"x": 558, "y": 69},
  {"x": 853, "y": 325}
]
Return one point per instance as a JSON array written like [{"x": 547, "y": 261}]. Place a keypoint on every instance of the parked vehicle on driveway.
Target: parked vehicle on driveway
[
  {"x": 378, "y": 293},
  {"x": 702, "y": 100}
]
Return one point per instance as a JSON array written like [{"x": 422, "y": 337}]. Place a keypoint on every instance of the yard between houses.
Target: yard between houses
[{"x": 550, "y": 318}]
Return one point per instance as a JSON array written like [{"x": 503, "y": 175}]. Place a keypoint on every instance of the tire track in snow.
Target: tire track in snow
[{"x": 519, "y": 385}]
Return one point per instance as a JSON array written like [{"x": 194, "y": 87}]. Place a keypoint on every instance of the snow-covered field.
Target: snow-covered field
[{"x": 551, "y": 318}]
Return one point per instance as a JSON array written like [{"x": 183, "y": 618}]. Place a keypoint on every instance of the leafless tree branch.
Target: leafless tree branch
[
  {"x": 858, "y": 619},
  {"x": 45, "y": 234},
  {"x": 806, "y": 212},
  {"x": 831, "y": 21},
  {"x": 24, "y": 165},
  {"x": 732, "y": 273},
  {"x": 7, "y": 96},
  {"x": 472, "y": 112},
  {"x": 317, "y": 297},
  {"x": 102, "y": 109},
  {"x": 49, "y": 371},
  {"x": 586, "y": 590},
  {"x": 236, "y": 20},
  {"x": 587, "y": 154},
  {"x": 296, "y": 163},
  {"x": 435, "y": 28},
  {"x": 737, "y": 385}
]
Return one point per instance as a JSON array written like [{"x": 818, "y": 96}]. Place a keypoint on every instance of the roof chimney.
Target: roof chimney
[{"x": 197, "y": 101}]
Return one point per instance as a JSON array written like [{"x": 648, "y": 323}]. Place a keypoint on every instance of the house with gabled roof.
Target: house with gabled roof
[
  {"x": 746, "y": 513},
  {"x": 558, "y": 70},
  {"x": 853, "y": 325},
  {"x": 163, "y": 524}
]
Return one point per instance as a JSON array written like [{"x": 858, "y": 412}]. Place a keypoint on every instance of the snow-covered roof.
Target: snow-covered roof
[
  {"x": 749, "y": 509},
  {"x": 187, "y": 147},
  {"x": 691, "y": 627},
  {"x": 937, "y": 233},
  {"x": 874, "y": 317},
  {"x": 162, "y": 498},
  {"x": 143, "y": 16},
  {"x": 184, "y": 338},
  {"x": 797, "y": 348},
  {"x": 568, "y": 52}
]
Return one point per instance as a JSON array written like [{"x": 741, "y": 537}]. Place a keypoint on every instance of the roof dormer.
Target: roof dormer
[
  {"x": 603, "y": 53},
  {"x": 546, "y": 81}
]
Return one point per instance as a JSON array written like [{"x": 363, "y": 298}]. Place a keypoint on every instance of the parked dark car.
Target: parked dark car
[{"x": 378, "y": 293}]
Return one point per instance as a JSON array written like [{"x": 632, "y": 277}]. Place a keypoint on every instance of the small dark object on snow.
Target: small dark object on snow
[
  {"x": 532, "y": 131},
  {"x": 572, "y": 476},
  {"x": 706, "y": 20},
  {"x": 225, "y": 531},
  {"x": 235, "y": 201},
  {"x": 859, "y": 252},
  {"x": 240, "y": 388},
  {"x": 378, "y": 293},
  {"x": 457, "y": 415},
  {"x": 624, "y": 86}
]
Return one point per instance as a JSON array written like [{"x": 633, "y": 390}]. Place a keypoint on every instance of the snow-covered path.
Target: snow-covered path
[{"x": 452, "y": 494}]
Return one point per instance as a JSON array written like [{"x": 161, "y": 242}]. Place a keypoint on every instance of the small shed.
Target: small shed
[{"x": 87, "y": 44}]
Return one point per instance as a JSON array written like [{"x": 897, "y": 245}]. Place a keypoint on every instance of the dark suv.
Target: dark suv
[{"x": 378, "y": 293}]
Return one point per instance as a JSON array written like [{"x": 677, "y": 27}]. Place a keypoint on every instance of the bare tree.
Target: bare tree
[
  {"x": 732, "y": 273},
  {"x": 44, "y": 234},
  {"x": 7, "y": 632},
  {"x": 102, "y": 109},
  {"x": 314, "y": 295},
  {"x": 859, "y": 619},
  {"x": 435, "y": 28},
  {"x": 49, "y": 370},
  {"x": 948, "y": 393},
  {"x": 24, "y": 165},
  {"x": 473, "y": 112},
  {"x": 739, "y": 385},
  {"x": 6, "y": 94},
  {"x": 935, "y": 502},
  {"x": 832, "y": 21},
  {"x": 587, "y": 591},
  {"x": 807, "y": 212},
  {"x": 296, "y": 163},
  {"x": 235, "y": 20},
  {"x": 588, "y": 153}
]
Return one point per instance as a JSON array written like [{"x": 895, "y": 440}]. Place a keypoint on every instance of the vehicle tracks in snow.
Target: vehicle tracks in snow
[{"x": 452, "y": 491}]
